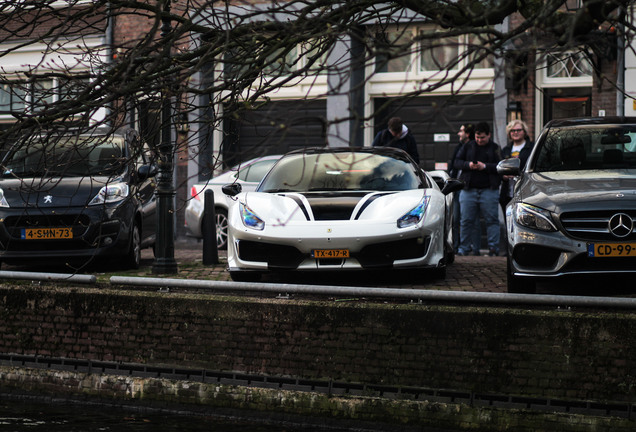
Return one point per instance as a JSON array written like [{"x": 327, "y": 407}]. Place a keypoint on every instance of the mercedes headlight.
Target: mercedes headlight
[
  {"x": 413, "y": 216},
  {"x": 533, "y": 217},
  {"x": 110, "y": 193},
  {"x": 250, "y": 219}
]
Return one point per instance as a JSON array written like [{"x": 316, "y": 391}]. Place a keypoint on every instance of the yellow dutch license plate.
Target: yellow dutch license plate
[
  {"x": 602, "y": 250},
  {"x": 47, "y": 233},
  {"x": 330, "y": 253}
]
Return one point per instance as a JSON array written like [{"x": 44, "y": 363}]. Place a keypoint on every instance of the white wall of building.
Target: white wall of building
[{"x": 630, "y": 71}]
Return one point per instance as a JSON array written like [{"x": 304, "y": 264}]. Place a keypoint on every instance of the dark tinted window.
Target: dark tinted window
[
  {"x": 587, "y": 147},
  {"x": 66, "y": 156}
]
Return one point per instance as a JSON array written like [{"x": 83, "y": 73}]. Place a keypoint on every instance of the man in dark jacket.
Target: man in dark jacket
[
  {"x": 397, "y": 135},
  {"x": 466, "y": 133},
  {"x": 477, "y": 161}
]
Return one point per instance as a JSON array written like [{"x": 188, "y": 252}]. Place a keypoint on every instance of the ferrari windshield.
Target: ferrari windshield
[
  {"x": 340, "y": 171},
  {"x": 587, "y": 147},
  {"x": 66, "y": 156}
]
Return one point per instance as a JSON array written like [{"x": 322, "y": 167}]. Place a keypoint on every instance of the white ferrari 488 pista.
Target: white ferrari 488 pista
[{"x": 338, "y": 209}]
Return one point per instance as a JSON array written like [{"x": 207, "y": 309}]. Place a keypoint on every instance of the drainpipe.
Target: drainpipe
[
  {"x": 110, "y": 38},
  {"x": 620, "y": 67}
]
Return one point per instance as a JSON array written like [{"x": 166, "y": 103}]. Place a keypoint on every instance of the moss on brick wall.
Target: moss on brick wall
[{"x": 551, "y": 354}]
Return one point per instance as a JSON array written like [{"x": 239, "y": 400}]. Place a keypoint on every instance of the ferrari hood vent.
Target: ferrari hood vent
[
  {"x": 333, "y": 209},
  {"x": 334, "y": 206}
]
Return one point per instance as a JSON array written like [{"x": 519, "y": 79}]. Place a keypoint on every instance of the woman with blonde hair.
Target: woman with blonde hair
[{"x": 519, "y": 146}]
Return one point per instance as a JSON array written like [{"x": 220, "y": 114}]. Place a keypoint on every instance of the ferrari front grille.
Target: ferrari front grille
[
  {"x": 384, "y": 254},
  {"x": 276, "y": 256}
]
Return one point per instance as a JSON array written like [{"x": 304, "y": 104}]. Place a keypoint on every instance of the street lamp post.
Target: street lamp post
[{"x": 164, "y": 248}]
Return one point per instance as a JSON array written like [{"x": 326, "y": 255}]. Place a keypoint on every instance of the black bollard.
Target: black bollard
[{"x": 210, "y": 249}]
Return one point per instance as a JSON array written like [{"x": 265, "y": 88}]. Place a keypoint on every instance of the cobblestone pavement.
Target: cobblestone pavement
[
  {"x": 467, "y": 273},
  {"x": 470, "y": 273}
]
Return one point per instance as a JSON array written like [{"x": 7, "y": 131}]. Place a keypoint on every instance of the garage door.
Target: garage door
[
  {"x": 275, "y": 128},
  {"x": 434, "y": 122}
]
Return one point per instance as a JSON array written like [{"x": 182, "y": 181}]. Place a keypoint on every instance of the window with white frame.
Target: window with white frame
[
  {"x": 280, "y": 61},
  {"x": 393, "y": 50},
  {"x": 37, "y": 95},
  {"x": 567, "y": 65},
  {"x": 396, "y": 51},
  {"x": 479, "y": 52},
  {"x": 314, "y": 56},
  {"x": 42, "y": 94},
  {"x": 12, "y": 98},
  {"x": 439, "y": 53}
]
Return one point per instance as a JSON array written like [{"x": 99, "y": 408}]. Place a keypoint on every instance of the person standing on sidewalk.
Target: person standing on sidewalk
[
  {"x": 478, "y": 160},
  {"x": 466, "y": 133},
  {"x": 519, "y": 146},
  {"x": 397, "y": 135}
]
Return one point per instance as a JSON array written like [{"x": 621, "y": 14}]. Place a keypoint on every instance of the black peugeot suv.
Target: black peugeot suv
[{"x": 78, "y": 198}]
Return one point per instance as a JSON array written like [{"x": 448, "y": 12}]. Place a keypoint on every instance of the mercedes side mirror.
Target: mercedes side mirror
[{"x": 510, "y": 166}]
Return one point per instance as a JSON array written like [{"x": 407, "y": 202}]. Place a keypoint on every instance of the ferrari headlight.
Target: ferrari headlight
[
  {"x": 533, "y": 217},
  {"x": 250, "y": 219},
  {"x": 414, "y": 215},
  {"x": 111, "y": 193},
  {"x": 3, "y": 200}
]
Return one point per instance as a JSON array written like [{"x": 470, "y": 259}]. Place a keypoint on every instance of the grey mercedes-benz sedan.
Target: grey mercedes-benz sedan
[{"x": 574, "y": 203}]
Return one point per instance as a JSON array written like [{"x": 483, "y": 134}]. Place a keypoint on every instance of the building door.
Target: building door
[
  {"x": 275, "y": 128},
  {"x": 567, "y": 102},
  {"x": 434, "y": 122}
]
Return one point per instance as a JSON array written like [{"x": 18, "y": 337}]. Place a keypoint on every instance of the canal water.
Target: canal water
[{"x": 38, "y": 416}]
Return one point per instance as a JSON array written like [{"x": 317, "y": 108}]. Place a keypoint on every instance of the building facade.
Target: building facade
[
  {"x": 527, "y": 80},
  {"x": 530, "y": 80}
]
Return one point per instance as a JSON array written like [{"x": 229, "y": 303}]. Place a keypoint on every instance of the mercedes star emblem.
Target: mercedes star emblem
[{"x": 621, "y": 225}]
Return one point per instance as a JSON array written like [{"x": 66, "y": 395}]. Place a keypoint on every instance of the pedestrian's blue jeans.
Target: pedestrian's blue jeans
[{"x": 473, "y": 203}]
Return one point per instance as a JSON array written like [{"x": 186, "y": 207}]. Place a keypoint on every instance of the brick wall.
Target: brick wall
[
  {"x": 604, "y": 92},
  {"x": 552, "y": 354}
]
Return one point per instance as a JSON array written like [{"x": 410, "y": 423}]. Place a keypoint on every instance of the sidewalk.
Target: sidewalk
[{"x": 469, "y": 273}]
